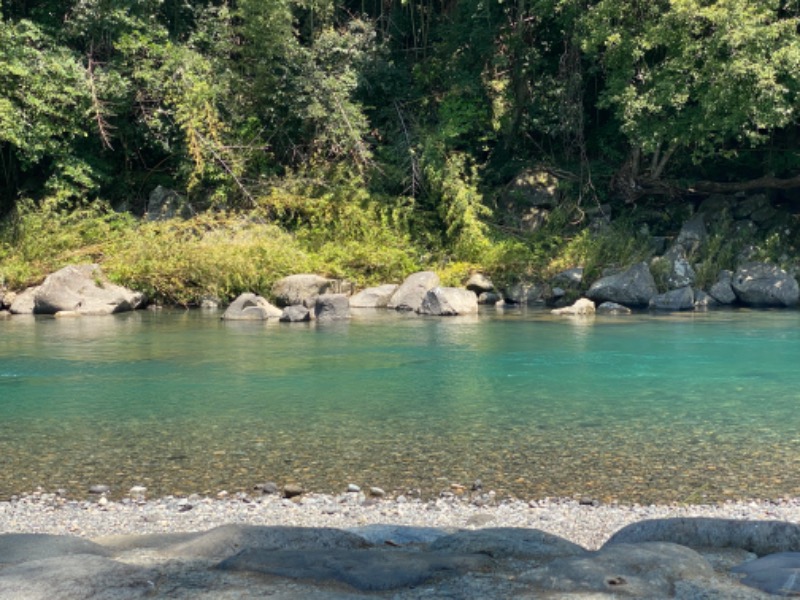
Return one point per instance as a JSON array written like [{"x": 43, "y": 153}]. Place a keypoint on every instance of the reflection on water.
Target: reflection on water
[{"x": 637, "y": 408}]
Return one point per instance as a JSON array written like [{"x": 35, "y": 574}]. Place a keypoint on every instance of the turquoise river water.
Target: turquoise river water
[{"x": 646, "y": 408}]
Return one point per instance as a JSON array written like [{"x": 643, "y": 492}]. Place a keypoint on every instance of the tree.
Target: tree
[{"x": 703, "y": 77}]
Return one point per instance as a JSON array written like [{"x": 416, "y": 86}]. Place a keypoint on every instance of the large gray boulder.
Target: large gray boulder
[
  {"x": 332, "y": 307},
  {"x": 633, "y": 287},
  {"x": 762, "y": 284},
  {"x": 646, "y": 570},
  {"x": 508, "y": 542},
  {"x": 23, "y": 303},
  {"x": 228, "y": 540},
  {"x": 374, "y": 297},
  {"x": 412, "y": 291},
  {"x": 570, "y": 279},
  {"x": 673, "y": 300},
  {"x": 722, "y": 290},
  {"x": 759, "y": 537},
  {"x": 251, "y": 307},
  {"x": 693, "y": 234},
  {"x": 775, "y": 573},
  {"x": 524, "y": 293},
  {"x": 86, "y": 290},
  {"x": 295, "y": 314},
  {"x": 365, "y": 570},
  {"x": 679, "y": 273},
  {"x": 301, "y": 289},
  {"x": 448, "y": 302},
  {"x": 479, "y": 283}
]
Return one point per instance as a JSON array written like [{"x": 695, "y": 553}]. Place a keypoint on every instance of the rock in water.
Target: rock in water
[
  {"x": 633, "y": 287},
  {"x": 251, "y": 307},
  {"x": 722, "y": 291},
  {"x": 583, "y": 306},
  {"x": 680, "y": 299},
  {"x": 84, "y": 289},
  {"x": 374, "y": 297},
  {"x": 479, "y": 283},
  {"x": 295, "y": 314},
  {"x": 762, "y": 284},
  {"x": 410, "y": 294},
  {"x": 22, "y": 303},
  {"x": 448, "y": 301},
  {"x": 332, "y": 307},
  {"x": 301, "y": 289}
]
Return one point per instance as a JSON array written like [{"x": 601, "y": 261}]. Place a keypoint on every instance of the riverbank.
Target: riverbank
[{"x": 575, "y": 520}]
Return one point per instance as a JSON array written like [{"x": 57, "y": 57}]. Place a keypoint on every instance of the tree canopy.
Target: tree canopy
[{"x": 428, "y": 105}]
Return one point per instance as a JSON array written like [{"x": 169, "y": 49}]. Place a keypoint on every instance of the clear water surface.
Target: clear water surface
[{"x": 684, "y": 408}]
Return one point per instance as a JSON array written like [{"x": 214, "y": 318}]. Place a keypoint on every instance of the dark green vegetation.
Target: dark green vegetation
[{"x": 367, "y": 138}]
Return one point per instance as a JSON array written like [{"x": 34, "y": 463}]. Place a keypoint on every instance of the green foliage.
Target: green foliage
[
  {"x": 697, "y": 74},
  {"x": 35, "y": 241},
  {"x": 210, "y": 255},
  {"x": 614, "y": 246}
]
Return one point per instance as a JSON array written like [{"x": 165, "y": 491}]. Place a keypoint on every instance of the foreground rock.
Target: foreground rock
[
  {"x": 412, "y": 291},
  {"x": 759, "y": 537},
  {"x": 448, "y": 302},
  {"x": 762, "y": 284},
  {"x": 251, "y": 307},
  {"x": 633, "y": 287},
  {"x": 248, "y": 562},
  {"x": 83, "y": 289}
]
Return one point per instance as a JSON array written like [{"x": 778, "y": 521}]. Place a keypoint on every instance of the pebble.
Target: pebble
[
  {"x": 353, "y": 488},
  {"x": 292, "y": 490},
  {"x": 586, "y": 525},
  {"x": 377, "y": 492},
  {"x": 99, "y": 489}
]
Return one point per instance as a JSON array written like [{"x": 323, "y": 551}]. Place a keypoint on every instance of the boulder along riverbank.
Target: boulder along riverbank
[{"x": 356, "y": 546}]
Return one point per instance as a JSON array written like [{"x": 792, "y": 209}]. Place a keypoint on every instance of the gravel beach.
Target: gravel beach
[{"x": 576, "y": 520}]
